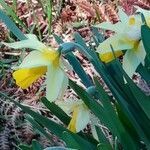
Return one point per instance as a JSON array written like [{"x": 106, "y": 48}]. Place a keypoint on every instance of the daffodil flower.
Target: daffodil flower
[
  {"x": 127, "y": 37},
  {"x": 80, "y": 114},
  {"x": 43, "y": 60}
]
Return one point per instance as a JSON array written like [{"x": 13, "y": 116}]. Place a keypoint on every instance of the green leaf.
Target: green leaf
[
  {"x": 10, "y": 12},
  {"x": 38, "y": 127},
  {"x": 108, "y": 119},
  {"x": 74, "y": 141},
  {"x": 98, "y": 36},
  {"x": 36, "y": 145},
  {"x": 71, "y": 141},
  {"x": 81, "y": 42},
  {"x": 145, "y": 34},
  {"x": 78, "y": 69},
  {"x": 58, "y": 148},
  {"x": 25, "y": 147},
  {"x": 106, "y": 101},
  {"x": 14, "y": 5},
  {"x": 103, "y": 139},
  {"x": 102, "y": 147},
  {"x": 127, "y": 124},
  {"x": 135, "y": 114},
  {"x": 11, "y": 26},
  {"x": 75, "y": 64},
  {"x": 49, "y": 14},
  {"x": 57, "y": 111},
  {"x": 52, "y": 126},
  {"x": 58, "y": 39},
  {"x": 144, "y": 72},
  {"x": 142, "y": 99}
]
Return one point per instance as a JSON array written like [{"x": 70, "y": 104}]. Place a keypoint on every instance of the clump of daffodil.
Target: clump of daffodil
[
  {"x": 80, "y": 114},
  {"x": 127, "y": 37},
  {"x": 42, "y": 60}
]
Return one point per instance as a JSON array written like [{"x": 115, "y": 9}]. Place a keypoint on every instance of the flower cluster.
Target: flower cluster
[
  {"x": 44, "y": 60},
  {"x": 127, "y": 38}
]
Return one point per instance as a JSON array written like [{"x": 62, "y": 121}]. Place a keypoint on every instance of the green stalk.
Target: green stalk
[{"x": 49, "y": 15}]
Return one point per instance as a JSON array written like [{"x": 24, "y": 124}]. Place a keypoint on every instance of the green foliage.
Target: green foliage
[
  {"x": 11, "y": 26},
  {"x": 56, "y": 111},
  {"x": 12, "y": 13},
  {"x": 35, "y": 146}
]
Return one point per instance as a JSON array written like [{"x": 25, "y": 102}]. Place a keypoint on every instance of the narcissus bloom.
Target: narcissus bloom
[
  {"x": 43, "y": 60},
  {"x": 80, "y": 114},
  {"x": 127, "y": 37}
]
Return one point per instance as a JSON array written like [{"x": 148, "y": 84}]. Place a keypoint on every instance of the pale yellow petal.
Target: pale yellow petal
[
  {"x": 37, "y": 58},
  {"x": 83, "y": 117},
  {"x": 130, "y": 62},
  {"x": 141, "y": 53},
  {"x": 123, "y": 16},
  {"x": 25, "y": 77},
  {"x": 34, "y": 59},
  {"x": 31, "y": 42},
  {"x": 56, "y": 81}
]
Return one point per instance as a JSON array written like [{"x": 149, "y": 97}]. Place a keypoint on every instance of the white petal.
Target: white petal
[
  {"x": 140, "y": 53},
  {"x": 94, "y": 133},
  {"x": 118, "y": 27},
  {"x": 31, "y": 36},
  {"x": 130, "y": 62},
  {"x": 94, "y": 122},
  {"x": 34, "y": 59},
  {"x": 83, "y": 118},
  {"x": 123, "y": 16},
  {"x": 63, "y": 88},
  {"x": 32, "y": 42},
  {"x": 116, "y": 42},
  {"x": 56, "y": 83}
]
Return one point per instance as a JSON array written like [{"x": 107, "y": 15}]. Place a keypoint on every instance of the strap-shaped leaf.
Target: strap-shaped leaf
[
  {"x": 11, "y": 13},
  {"x": 102, "y": 138},
  {"x": 11, "y": 26},
  {"x": 57, "y": 111},
  {"x": 36, "y": 145},
  {"x": 38, "y": 127},
  {"x": 75, "y": 63},
  {"x": 99, "y": 110},
  {"x": 74, "y": 141},
  {"x": 138, "y": 106},
  {"x": 52, "y": 126}
]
